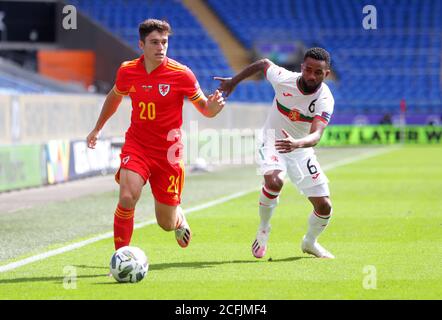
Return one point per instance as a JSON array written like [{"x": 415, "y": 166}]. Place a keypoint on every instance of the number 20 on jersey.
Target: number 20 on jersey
[{"x": 147, "y": 111}]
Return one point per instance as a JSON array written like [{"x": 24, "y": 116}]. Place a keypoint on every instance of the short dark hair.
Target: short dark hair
[
  {"x": 318, "y": 54},
  {"x": 149, "y": 25}
]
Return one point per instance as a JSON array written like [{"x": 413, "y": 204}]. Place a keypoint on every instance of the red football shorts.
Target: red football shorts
[{"x": 166, "y": 179}]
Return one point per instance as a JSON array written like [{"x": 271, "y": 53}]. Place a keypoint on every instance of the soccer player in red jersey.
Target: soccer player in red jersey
[{"x": 157, "y": 86}]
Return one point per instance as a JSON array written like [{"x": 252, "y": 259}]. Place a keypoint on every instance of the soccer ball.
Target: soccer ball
[{"x": 129, "y": 264}]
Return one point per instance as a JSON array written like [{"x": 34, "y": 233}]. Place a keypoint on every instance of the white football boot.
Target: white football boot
[{"x": 315, "y": 249}]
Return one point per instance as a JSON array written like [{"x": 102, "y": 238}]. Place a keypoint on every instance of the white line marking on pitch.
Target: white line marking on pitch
[{"x": 73, "y": 246}]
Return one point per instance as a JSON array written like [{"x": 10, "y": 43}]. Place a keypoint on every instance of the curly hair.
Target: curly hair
[{"x": 318, "y": 54}]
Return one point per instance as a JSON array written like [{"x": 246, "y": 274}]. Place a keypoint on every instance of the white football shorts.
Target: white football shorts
[{"x": 301, "y": 166}]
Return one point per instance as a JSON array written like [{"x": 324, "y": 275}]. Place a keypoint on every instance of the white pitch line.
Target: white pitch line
[{"x": 73, "y": 246}]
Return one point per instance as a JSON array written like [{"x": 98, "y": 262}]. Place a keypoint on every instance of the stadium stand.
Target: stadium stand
[
  {"x": 375, "y": 69},
  {"x": 190, "y": 43},
  {"x": 15, "y": 79}
]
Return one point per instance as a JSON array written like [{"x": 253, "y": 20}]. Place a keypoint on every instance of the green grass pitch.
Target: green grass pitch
[{"x": 386, "y": 234}]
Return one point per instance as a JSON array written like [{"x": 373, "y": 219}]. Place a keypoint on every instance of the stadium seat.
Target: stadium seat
[
  {"x": 374, "y": 69},
  {"x": 400, "y": 59},
  {"x": 190, "y": 44}
]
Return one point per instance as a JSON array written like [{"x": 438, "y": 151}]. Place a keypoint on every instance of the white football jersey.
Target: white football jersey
[{"x": 292, "y": 109}]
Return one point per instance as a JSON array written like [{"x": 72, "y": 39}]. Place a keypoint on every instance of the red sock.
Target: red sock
[{"x": 123, "y": 226}]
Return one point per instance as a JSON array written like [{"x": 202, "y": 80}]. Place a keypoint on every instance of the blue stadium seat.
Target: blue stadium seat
[
  {"x": 375, "y": 69},
  {"x": 11, "y": 84},
  {"x": 401, "y": 59},
  {"x": 190, "y": 44}
]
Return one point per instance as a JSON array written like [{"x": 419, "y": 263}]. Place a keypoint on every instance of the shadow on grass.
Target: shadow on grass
[
  {"x": 83, "y": 266},
  {"x": 152, "y": 267},
  {"x": 208, "y": 264},
  {"x": 58, "y": 279}
]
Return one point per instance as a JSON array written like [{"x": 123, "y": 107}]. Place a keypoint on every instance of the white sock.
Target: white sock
[
  {"x": 268, "y": 200},
  {"x": 180, "y": 219},
  {"x": 317, "y": 224}
]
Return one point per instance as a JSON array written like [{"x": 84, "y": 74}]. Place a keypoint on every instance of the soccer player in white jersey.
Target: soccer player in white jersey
[{"x": 301, "y": 110}]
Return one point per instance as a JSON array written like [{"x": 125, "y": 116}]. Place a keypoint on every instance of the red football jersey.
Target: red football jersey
[{"x": 157, "y": 102}]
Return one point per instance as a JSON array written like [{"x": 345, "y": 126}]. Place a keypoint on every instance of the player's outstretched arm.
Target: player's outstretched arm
[
  {"x": 211, "y": 106},
  {"x": 227, "y": 85},
  {"x": 288, "y": 144},
  {"x": 110, "y": 105}
]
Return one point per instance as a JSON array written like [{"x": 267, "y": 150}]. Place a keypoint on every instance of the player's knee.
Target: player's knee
[
  {"x": 128, "y": 200},
  {"x": 274, "y": 184},
  {"x": 324, "y": 208}
]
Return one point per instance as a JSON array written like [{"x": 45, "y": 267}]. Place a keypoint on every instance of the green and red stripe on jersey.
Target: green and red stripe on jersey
[{"x": 296, "y": 115}]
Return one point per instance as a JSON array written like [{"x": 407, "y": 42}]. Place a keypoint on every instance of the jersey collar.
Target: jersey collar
[{"x": 161, "y": 66}]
